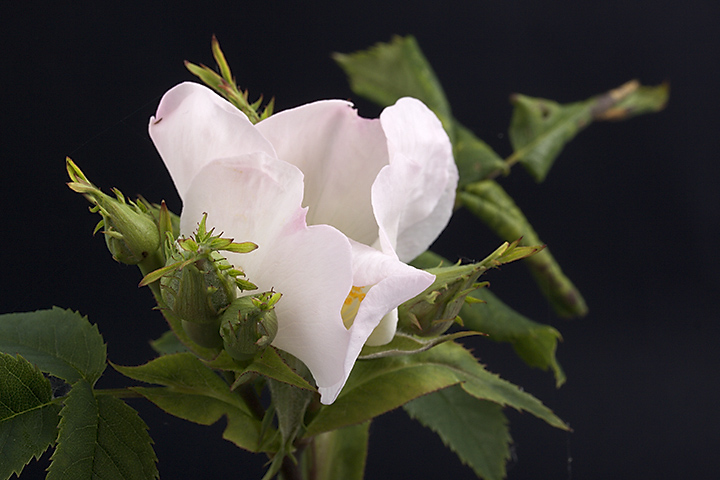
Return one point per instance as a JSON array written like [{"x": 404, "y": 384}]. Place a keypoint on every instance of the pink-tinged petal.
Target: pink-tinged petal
[
  {"x": 340, "y": 154},
  {"x": 257, "y": 198},
  {"x": 413, "y": 196},
  {"x": 193, "y": 125}
]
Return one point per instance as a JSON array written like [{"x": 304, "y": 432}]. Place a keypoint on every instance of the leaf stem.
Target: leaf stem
[{"x": 118, "y": 392}]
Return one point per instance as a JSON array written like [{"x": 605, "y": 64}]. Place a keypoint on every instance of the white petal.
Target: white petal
[
  {"x": 413, "y": 196},
  {"x": 193, "y": 125},
  {"x": 393, "y": 283},
  {"x": 340, "y": 155},
  {"x": 257, "y": 198}
]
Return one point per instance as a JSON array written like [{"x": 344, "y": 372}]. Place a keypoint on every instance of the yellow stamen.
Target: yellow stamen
[{"x": 352, "y": 304}]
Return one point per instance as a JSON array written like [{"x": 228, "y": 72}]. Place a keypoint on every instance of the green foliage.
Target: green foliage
[
  {"x": 339, "y": 454},
  {"x": 380, "y": 385},
  {"x": 28, "y": 418},
  {"x": 60, "y": 342},
  {"x": 492, "y": 204},
  {"x": 540, "y": 128},
  {"x": 390, "y": 71},
  {"x": 476, "y": 430},
  {"x": 101, "y": 437},
  {"x": 534, "y": 342},
  {"x": 194, "y": 392}
]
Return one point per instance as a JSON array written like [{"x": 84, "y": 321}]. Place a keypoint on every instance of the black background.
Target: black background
[{"x": 630, "y": 209}]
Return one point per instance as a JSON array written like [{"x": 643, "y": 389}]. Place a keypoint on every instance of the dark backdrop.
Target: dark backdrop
[{"x": 630, "y": 210}]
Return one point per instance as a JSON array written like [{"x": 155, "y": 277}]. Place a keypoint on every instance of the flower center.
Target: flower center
[{"x": 352, "y": 304}]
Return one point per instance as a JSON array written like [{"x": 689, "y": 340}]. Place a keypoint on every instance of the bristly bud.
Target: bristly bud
[
  {"x": 435, "y": 310},
  {"x": 249, "y": 325},
  {"x": 131, "y": 232},
  {"x": 197, "y": 283}
]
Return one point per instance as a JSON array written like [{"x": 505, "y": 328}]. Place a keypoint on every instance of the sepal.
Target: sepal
[
  {"x": 249, "y": 325},
  {"x": 131, "y": 232}
]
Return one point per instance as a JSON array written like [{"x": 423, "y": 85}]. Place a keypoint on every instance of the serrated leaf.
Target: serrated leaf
[
  {"x": 60, "y": 342},
  {"x": 540, "y": 128},
  {"x": 101, "y": 437},
  {"x": 196, "y": 393},
  {"x": 533, "y": 342},
  {"x": 491, "y": 203},
  {"x": 378, "y": 386},
  {"x": 387, "y": 72},
  {"x": 28, "y": 419},
  {"x": 476, "y": 430},
  {"x": 339, "y": 454}
]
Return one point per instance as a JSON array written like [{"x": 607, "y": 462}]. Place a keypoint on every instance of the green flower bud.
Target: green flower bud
[
  {"x": 249, "y": 325},
  {"x": 197, "y": 283},
  {"x": 435, "y": 310},
  {"x": 131, "y": 233}
]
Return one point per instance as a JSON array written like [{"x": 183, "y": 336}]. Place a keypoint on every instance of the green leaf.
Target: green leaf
[
  {"x": 168, "y": 343},
  {"x": 101, "y": 437},
  {"x": 474, "y": 158},
  {"x": 390, "y": 71},
  {"x": 28, "y": 419},
  {"x": 339, "y": 454},
  {"x": 268, "y": 364},
  {"x": 196, "y": 393},
  {"x": 492, "y": 204},
  {"x": 60, "y": 342},
  {"x": 476, "y": 430},
  {"x": 378, "y": 386},
  {"x": 533, "y": 342},
  {"x": 540, "y": 128}
]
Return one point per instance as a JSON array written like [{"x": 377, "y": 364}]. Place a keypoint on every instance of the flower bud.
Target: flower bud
[
  {"x": 130, "y": 231},
  {"x": 249, "y": 325},
  {"x": 435, "y": 310}
]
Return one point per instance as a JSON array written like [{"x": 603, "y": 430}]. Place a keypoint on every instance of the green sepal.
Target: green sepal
[
  {"x": 434, "y": 310},
  {"x": 378, "y": 386},
  {"x": 131, "y": 232},
  {"x": 404, "y": 344},
  {"x": 476, "y": 430},
  {"x": 225, "y": 85},
  {"x": 60, "y": 342},
  {"x": 101, "y": 435},
  {"x": 28, "y": 417},
  {"x": 492, "y": 204},
  {"x": 482, "y": 311}
]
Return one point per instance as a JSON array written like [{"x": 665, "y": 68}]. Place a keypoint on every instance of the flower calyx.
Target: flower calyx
[
  {"x": 131, "y": 232},
  {"x": 197, "y": 283},
  {"x": 249, "y": 325}
]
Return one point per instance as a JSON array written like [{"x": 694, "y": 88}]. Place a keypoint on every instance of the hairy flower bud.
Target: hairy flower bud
[
  {"x": 131, "y": 232},
  {"x": 249, "y": 325}
]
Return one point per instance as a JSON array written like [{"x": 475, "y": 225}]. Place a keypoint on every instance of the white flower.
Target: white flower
[{"x": 335, "y": 202}]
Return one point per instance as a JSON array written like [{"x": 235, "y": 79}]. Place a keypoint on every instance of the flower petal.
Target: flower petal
[
  {"x": 393, "y": 283},
  {"x": 340, "y": 154},
  {"x": 257, "y": 198},
  {"x": 193, "y": 125},
  {"x": 413, "y": 196}
]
